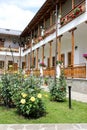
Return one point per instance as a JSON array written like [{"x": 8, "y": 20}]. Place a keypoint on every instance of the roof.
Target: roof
[
  {"x": 10, "y": 32},
  {"x": 42, "y": 12}
]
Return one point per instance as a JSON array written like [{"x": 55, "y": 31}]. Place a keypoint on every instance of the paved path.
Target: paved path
[
  {"x": 74, "y": 95},
  {"x": 44, "y": 127},
  {"x": 79, "y": 96}
]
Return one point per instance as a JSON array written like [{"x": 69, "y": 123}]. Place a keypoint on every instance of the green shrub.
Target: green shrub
[
  {"x": 57, "y": 88},
  {"x": 29, "y": 100},
  {"x": 11, "y": 84}
]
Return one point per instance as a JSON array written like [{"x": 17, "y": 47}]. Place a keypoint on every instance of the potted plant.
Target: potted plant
[
  {"x": 76, "y": 11},
  {"x": 42, "y": 64},
  {"x": 62, "y": 21},
  {"x": 85, "y": 56},
  {"x": 32, "y": 66}
]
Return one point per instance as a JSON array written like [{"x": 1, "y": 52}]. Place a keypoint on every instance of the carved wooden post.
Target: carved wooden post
[
  {"x": 73, "y": 4},
  {"x": 73, "y": 46},
  {"x": 37, "y": 50},
  {"x": 59, "y": 48},
  {"x": 50, "y": 53},
  {"x": 43, "y": 53},
  {"x": 29, "y": 61}
]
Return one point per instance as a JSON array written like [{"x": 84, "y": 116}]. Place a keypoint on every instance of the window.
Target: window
[
  {"x": 47, "y": 23},
  {"x": 1, "y": 42},
  {"x": 10, "y": 63},
  {"x": 34, "y": 61},
  {"x": 78, "y": 2},
  {"x": 63, "y": 59},
  {"x": 53, "y": 61},
  {"x": 48, "y": 62},
  {"x": 69, "y": 58},
  {"x": 23, "y": 65},
  {"x": 1, "y": 64},
  {"x": 66, "y": 7}
]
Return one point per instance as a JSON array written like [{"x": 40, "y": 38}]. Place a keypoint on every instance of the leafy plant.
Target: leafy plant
[
  {"x": 11, "y": 84},
  {"x": 58, "y": 88},
  {"x": 29, "y": 101},
  {"x": 42, "y": 64},
  {"x": 76, "y": 11},
  {"x": 58, "y": 62}
]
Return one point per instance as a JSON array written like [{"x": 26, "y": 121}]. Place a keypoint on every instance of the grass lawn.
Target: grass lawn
[{"x": 57, "y": 112}]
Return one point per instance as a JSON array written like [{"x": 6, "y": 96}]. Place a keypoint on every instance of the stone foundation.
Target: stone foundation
[{"x": 78, "y": 85}]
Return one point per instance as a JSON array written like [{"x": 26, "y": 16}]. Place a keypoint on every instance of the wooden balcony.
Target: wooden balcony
[
  {"x": 77, "y": 11},
  {"x": 78, "y": 71},
  {"x": 50, "y": 30},
  {"x": 8, "y": 49}
]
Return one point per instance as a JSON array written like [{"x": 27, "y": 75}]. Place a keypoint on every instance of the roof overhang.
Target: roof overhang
[{"x": 42, "y": 12}]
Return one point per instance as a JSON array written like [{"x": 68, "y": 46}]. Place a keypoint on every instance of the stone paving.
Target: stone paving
[
  {"x": 74, "y": 95},
  {"x": 44, "y": 127}
]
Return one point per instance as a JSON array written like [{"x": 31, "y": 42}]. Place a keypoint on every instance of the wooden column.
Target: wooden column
[
  {"x": 73, "y": 4},
  {"x": 37, "y": 50},
  {"x": 25, "y": 61},
  {"x": 43, "y": 53},
  {"x": 59, "y": 48},
  {"x": 50, "y": 53},
  {"x": 20, "y": 58},
  {"x": 51, "y": 19},
  {"x": 32, "y": 58},
  {"x": 73, "y": 45},
  {"x": 29, "y": 61}
]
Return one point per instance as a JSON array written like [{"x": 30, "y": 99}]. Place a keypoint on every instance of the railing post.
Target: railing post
[{"x": 69, "y": 87}]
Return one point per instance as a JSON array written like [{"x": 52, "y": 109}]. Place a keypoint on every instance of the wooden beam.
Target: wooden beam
[{"x": 73, "y": 29}]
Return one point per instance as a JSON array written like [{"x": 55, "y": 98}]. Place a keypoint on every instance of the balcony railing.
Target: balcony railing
[
  {"x": 78, "y": 71},
  {"x": 78, "y": 10},
  {"x": 8, "y": 49},
  {"x": 50, "y": 30}
]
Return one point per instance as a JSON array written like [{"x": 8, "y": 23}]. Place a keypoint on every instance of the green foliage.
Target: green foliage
[
  {"x": 46, "y": 79},
  {"x": 23, "y": 92},
  {"x": 58, "y": 88},
  {"x": 11, "y": 84},
  {"x": 57, "y": 112},
  {"x": 29, "y": 101}
]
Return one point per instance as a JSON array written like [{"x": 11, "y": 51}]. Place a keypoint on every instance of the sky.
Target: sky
[{"x": 16, "y": 14}]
